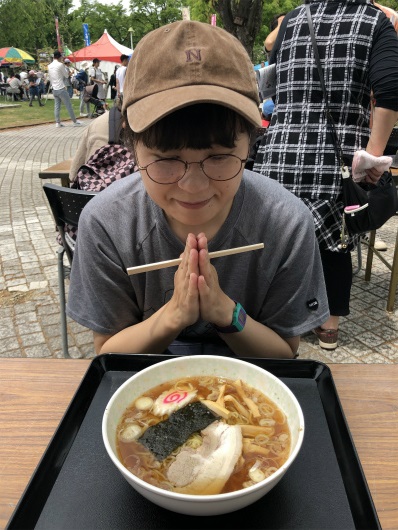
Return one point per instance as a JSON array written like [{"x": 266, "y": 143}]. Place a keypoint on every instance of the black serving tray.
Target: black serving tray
[{"x": 76, "y": 486}]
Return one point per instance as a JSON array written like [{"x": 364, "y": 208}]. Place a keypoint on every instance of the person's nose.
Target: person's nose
[{"x": 194, "y": 179}]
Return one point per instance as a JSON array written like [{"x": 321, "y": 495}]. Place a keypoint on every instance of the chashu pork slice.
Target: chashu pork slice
[{"x": 206, "y": 470}]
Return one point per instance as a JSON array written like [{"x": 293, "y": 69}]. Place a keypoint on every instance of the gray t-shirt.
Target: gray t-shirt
[{"x": 280, "y": 286}]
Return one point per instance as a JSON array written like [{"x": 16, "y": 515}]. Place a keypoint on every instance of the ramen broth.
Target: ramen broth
[{"x": 265, "y": 431}]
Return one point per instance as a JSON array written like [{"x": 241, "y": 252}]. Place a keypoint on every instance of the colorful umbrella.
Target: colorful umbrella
[{"x": 15, "y": 55}]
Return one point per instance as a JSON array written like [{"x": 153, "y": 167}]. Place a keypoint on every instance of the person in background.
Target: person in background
[
  {"x": 120, "y": 76},
  {"x": 47, "y": 84},
  {"x": 299, "y": 151},
  {"x": 96, "y": 135},
  {"x": 40, "y": 76},
  {"x": 23, "y": 75},
  {"x": 82, "y": 78},
  {"x": 392, "y": 15},
  {"x": 112, "y": 83},
  {"x": 68, "y": 78},
  {"x": 15, "y": 86},
  {"x": 267, "y": 109},
  {"x": 274, "y": 27},
  {"x": 34, "y": 91},
  {"x": 96, "y": 77},
  {"x": 189, "y": 128},
  {"x": 57, "y": 73}
]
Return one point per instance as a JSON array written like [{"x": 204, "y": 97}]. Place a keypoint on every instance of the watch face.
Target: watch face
[
  {"x": 238, "y": 321},
  {"x": 239, "y": 318}
]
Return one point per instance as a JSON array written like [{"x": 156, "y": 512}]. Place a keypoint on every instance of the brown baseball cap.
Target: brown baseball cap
[{"x": 185, "y": 63}]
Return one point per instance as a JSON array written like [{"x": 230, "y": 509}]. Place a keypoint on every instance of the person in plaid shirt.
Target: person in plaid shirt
[{"x": 358, "y": 49}]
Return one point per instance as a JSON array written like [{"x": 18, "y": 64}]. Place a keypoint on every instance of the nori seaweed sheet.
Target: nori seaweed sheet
[{"x": 161, "y": 439}]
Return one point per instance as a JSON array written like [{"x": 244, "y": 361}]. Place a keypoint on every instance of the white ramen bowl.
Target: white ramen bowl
[{"x": 200, "y": 365}]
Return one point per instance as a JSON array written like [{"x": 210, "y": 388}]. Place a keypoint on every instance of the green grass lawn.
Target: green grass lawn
[{"x": 24, "y": 115}]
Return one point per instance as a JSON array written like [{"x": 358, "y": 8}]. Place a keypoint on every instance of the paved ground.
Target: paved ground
[{"x": 29, "y": 311}]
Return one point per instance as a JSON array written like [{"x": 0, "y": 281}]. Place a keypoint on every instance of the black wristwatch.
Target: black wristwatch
[{"x": 238, "y": 321}]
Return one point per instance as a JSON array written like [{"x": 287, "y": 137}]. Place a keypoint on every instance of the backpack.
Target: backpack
[
  {"x": 79, "y": 80},
  {"x": 75, "y": 82},
  {"x": 110, "y": 162}
]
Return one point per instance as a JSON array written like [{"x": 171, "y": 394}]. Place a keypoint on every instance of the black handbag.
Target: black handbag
[{"x": 367, "y": 206}]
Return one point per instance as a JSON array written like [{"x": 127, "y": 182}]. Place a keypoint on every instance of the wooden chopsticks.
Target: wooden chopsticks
[{"x": 175, "y": 262}]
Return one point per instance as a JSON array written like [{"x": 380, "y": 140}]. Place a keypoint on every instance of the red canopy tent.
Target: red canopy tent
[{"x": 105, "y": 49}]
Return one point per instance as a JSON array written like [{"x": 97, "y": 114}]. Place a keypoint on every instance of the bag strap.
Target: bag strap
[
  {"x": 115, "y": 125},
  {"x": 328, "y": 114}
]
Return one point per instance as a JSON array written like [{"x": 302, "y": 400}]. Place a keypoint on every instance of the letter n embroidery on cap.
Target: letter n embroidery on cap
[{"x": 193, "y": 55}]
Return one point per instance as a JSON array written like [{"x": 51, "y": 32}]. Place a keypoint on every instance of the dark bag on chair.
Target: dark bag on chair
[{"x": 368, "y": 206}]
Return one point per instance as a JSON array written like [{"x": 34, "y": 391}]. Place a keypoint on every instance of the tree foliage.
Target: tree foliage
[
  {"x": 99, "y": 17},
  {"x": 30, "y": 25},
  {"x": 149, "y": 15}
]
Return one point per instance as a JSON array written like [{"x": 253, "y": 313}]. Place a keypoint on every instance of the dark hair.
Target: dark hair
[
  {"x": 123, "y": 57},
  {"x": 57, "y": 54},
  {"x": 274, "y": 21},
  {"x": 194, "y": 127},
  {"x": 96, "y": 60}
]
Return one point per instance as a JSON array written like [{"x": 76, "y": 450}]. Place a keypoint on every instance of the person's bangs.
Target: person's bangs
[{"x": 195, "y": 127}]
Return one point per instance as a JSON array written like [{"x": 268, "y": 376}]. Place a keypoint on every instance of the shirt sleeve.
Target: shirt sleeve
[
  {"x": 101, "y": 296},
  {"x": 383, "y": 65}
]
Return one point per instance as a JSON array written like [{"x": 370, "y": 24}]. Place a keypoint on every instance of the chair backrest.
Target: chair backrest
[{"x": 66, "y": 205}]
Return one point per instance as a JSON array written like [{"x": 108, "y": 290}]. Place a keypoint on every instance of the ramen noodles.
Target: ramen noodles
[{"x": 203, "y": 436}]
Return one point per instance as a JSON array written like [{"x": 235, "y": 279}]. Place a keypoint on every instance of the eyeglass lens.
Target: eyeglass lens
[{"x": 217, "y": 167}]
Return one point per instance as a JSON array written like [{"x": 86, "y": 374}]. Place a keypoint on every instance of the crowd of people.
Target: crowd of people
[
  {"x": 65, "y": 81},
  {"x": 25, "y": 85}
]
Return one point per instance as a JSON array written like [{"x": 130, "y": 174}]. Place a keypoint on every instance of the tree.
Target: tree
[
  {"x": 241, "y": 18},
  {"x": 99, "y": 17},
  {"x": 30, "y": 26},
  {"x": 200, "y": 10},
  {"x": 149, "y": 15}
]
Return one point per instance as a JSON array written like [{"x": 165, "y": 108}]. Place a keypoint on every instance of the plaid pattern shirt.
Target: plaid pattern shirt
[{"x": 298, "y": 150}]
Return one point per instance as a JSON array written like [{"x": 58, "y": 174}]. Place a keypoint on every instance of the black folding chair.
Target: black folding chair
[{"x": 66, "y": 206}]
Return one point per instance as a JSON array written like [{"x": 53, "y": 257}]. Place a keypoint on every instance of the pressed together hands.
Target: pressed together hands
[{"x": 197, "y": 292}]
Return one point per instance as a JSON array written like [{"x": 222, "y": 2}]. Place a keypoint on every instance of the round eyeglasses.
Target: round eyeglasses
[{"x": 215, "y": 167}]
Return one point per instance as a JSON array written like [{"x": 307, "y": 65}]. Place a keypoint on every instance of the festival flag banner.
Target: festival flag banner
[
  {"x": 186, "y": 14},
  {"x": 214, "y": 20},
  {"x": 58, "y": 35},
  {"x": 86, "y": 35}
]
